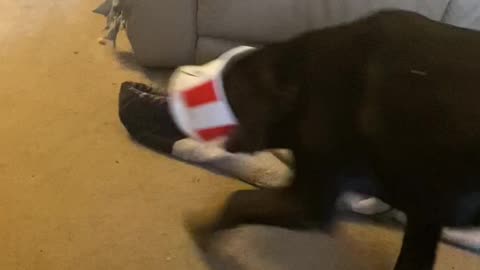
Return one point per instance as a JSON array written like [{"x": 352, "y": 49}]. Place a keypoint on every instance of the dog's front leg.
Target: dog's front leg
[
  {"x": 308, "y": 202},
  {"x": 275, "y": 207},
  {"x": 419, "y": 245},
  {"x": 317, "y": 187}
]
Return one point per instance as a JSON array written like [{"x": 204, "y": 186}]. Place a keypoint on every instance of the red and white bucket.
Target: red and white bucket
[{"x": 197, "y": 99}]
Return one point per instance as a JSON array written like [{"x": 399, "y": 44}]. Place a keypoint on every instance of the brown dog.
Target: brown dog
[{"x": 394, "y": 93}]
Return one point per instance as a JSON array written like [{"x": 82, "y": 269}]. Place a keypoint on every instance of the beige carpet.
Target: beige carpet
[{"x": 75, "y": 192}]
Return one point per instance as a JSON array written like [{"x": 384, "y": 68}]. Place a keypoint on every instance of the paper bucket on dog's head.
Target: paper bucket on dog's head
[{"x": 198, "y": 103}]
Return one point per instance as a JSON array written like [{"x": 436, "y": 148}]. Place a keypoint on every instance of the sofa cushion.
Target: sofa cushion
[
  {"x": 210, "y": 48},
  {"x": 251, "y": 20},
  {"x": 329, "y": 12},
  {"x": 162, "y": 33},
  {"x": 273, "y": 20}
]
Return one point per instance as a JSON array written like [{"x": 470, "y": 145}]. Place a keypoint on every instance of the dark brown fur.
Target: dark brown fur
[{"x": 395, "y": 93}]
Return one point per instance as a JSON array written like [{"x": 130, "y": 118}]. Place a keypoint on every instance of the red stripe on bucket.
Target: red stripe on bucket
[
  {"x": 200, "y": 95},
  {"x": 213, "y": 133}
]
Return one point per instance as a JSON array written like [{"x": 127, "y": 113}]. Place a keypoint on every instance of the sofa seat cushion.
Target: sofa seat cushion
[{"x": 273, "y": 20}]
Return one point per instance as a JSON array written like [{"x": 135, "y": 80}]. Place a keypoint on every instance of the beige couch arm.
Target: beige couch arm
[{"x": 162, "y": 31}]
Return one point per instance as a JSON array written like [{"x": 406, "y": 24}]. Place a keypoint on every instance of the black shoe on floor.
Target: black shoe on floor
[{"x": 146, "y": 116}]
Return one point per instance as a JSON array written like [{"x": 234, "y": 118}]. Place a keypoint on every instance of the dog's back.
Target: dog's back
[
  {"x": 421, "y": 117},
  {"x": 404, "y": 90}
]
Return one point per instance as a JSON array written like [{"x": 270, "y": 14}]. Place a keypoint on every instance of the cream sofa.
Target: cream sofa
[{"x": 168, "y": 33}]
